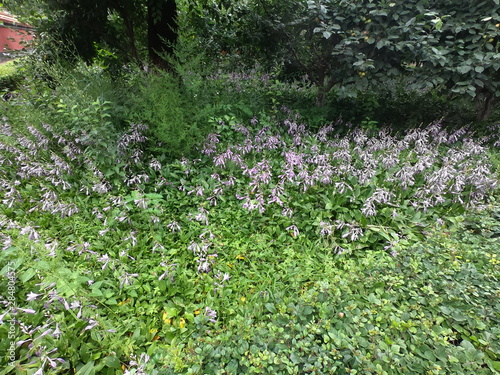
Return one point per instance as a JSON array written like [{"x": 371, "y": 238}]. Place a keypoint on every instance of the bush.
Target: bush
[
  {"x": 398, "y": 108},
  {"x": 275, "y": 247},
  {"x": 161, "y": 103},
  {"x": 10, "y": 77}
]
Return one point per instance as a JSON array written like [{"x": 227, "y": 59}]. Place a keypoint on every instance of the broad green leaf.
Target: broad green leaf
[
  {"x": 87, "y": 369},
  {"x": 28, "y": 275},
  {"x": 270, "y": 307}
]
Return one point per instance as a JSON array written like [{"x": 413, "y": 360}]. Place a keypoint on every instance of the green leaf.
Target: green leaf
[
  {"x": 112, "y": 361},
  {"x": 294, "y": 358},
  {"x": 495, "y": 365},
  {"x": 27, "y": 275},
  {"x": 171, "y": 312},
  {"x": 270, "y": 307},
  {"x": 87, "y": 369},
  {"x": 467, "y": 345},
  {"x": 373, "y": 299},
  {"x": 95, "y": 293},
  {"x": 464, "y": 69},
  {"x": 382, "y": 43},
  {"x": 395, "y": 348}
]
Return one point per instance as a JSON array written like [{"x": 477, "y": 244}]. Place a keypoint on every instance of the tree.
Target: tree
[
  {"x": 442, "y": 44},
  {"x": 162, "y": 30},
  {"x": 463, "y": 50},
  {"x": 439, "y": 44},
  {"x": 119, "y": 25}
]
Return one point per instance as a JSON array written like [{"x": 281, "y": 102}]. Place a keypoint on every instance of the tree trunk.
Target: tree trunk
[
  {"x": 485, "y": 102},
  {"x": 320, "y": 97},
  {"x": 129, "y": 30},
  {"x": 323, "y": 89},
  {"x": 162, "y": 31}
]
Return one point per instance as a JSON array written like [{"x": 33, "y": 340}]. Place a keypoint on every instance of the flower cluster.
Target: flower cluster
[
  {"x": 204, "y": 257},
  {"x": 461, "y": 174}
]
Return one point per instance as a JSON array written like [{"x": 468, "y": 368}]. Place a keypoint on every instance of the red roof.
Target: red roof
[{"x": 8, "y": 19}]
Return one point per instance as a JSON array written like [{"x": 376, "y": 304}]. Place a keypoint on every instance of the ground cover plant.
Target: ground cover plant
[
  {"x": 292, "y": 187},
  {"x": 276, "y": 248}
]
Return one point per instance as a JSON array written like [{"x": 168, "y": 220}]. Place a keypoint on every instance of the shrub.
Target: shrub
[
  {"x": 10, "y": 77},
  {"x": 162, "y": 103}
]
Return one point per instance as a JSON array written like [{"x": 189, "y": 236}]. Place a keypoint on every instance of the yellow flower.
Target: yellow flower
[
  {"x": 182, "y": 323},
  {"x": 165, "y": 318},
  {"x": 243, "y": 299},
  {"x": 124, "y": 302}
]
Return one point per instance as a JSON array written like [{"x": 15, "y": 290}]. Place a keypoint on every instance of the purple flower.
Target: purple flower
[
  {"x": 127, "y": 278},
  {"x": 295, "y": 231},
  {"x": 169, "y": 268},
  {"x": 27, "y": 311},
  {"x": 202, "y": 216},
  {"x": 353, "y": 233},
  {"x": 369, "y": 209},
  {"x": 92, "y": 323},
  {"x": 326, "y": 228},
  {"x": 198, "y": 191},
  {"x": 287, "y": 212},
  {"x": 57, "y": 332},
  {"x": 104, "y": 259},
  {"x": 339, "y": 250},
  {"x": 211, "y": 314},
  {"x": 210, "y": 144},
  {"x": 141, "y": 202},
  {"x": 32, "y": 296},
  {"x": 2, "y": 316},
  {"x": 174, "y": 226},
  {"x": 155, "y": 165}
]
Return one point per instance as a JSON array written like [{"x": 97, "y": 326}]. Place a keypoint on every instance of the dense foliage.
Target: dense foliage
[
  {"x": 213, "y": 220},
  {"x": 127, "y": 263},
  {"x": 10, "y": 78},
  {"x": 359, "y": 44},
  {"x": 121, "y": 31}
]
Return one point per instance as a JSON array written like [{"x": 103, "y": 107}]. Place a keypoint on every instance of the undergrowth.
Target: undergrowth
[
  {"x": 189, "y": 223},
  {"x": 276, "y": 248}
]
